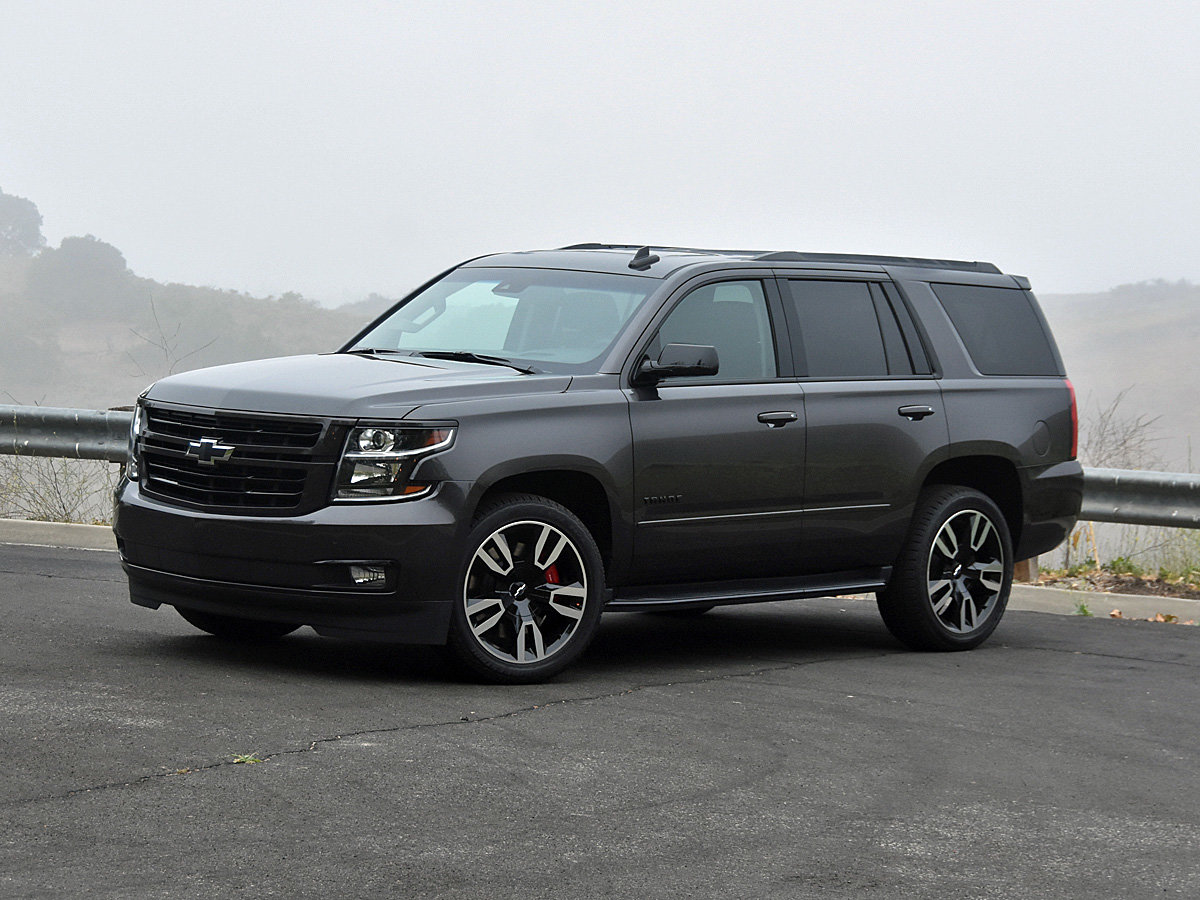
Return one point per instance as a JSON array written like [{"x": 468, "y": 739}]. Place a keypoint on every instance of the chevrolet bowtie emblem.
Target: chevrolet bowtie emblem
[{"x": 209, "y": 450}]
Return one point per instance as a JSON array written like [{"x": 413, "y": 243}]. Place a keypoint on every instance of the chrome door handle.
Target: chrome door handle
[
  {"x": 778, "y": 418},
  {"x": 916, "y": 413}
]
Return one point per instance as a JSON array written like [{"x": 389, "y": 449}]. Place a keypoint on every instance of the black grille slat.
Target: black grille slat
[
  {"x": 268, "y": 470},
  {"x": 242, "y": 431},
  {"x": 288, "y": 480},
  {"x": 180, "y": 446},
  {"x": 228, "y": 498}
]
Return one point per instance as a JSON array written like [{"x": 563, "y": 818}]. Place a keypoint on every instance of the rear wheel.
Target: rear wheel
[
  {"x": 950, "y": 584},
  {"x": 235, "y": 629},
  {"x": 530, "y": 591}
]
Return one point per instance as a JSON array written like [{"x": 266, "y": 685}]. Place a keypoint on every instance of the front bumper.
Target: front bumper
[{"x": 297, "y": 569}]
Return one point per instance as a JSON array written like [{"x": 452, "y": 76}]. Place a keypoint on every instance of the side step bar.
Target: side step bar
[{"x": 751, "y": 590}]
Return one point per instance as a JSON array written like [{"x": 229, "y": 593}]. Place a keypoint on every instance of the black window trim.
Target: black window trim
[
  {"x": 920, "y": 347},
  {"x": 895, "y": 350}
]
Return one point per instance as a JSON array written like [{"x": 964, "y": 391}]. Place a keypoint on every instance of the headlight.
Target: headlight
[
  {"x": 378, "y": 461},
  {"x": 132, "y": 469}
]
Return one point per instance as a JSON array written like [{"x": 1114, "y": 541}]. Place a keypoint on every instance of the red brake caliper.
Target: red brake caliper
[{"x": 552, "y": 575}]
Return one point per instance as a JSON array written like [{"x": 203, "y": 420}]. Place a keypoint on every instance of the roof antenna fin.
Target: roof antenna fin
[{"x": 643, "y": 259}]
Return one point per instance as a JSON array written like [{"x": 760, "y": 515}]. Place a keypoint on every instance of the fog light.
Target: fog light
[{"x": 368, "y": 574}]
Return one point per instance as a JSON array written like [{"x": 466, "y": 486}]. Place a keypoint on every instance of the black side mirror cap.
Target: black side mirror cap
[{"x": 678, "y": 361}]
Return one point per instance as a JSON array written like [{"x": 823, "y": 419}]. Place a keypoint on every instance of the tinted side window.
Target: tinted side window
[
  {"x": 731, "y": 316},
  {"x": 999, "y": 328},
  {"x": 838, "y": 330}
]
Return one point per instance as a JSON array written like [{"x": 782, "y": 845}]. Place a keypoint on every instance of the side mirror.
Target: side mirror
[{"x": 679, "y": 360}]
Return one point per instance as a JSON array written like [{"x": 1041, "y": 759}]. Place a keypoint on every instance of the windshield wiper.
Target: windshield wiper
[
  {"x": 372, "y": 350},
  {"x": 471, "y": 356}
]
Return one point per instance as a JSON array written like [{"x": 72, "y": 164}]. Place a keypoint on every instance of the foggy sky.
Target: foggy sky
[{"x": 340, "y": 149}]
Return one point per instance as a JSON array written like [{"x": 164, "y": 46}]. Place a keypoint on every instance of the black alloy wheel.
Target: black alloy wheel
[
  {"x": 530, "y": 591},
  {"x": 951, "y": 582}
]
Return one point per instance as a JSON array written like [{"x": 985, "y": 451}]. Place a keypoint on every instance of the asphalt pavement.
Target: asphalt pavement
[{"x": 781, "y": 750}]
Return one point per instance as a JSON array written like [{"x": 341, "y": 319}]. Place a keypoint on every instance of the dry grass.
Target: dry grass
[{"x": 57, "y": 490}]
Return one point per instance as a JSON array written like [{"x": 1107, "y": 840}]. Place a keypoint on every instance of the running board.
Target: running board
[{"x": 750, "y": 590}]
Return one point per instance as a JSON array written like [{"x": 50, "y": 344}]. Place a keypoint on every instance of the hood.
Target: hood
[{"x": 343, "y": 385}]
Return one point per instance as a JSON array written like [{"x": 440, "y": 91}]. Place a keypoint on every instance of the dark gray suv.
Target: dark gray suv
[{"x": 532, "y": 439}]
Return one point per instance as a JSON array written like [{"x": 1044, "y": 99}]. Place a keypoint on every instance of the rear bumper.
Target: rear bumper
[
  {"x": 297, "y": 569},
  {"x": 1053, "y": 496}
]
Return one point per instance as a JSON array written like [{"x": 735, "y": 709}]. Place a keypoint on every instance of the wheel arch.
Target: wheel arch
[
  {"x": 993, "y": 476},
  {"x": 579, "y": 491}
]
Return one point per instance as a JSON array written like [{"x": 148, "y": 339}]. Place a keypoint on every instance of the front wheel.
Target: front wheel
[
  {"x": 529, "y": 593},
  {"x": 951, "y": 582}
]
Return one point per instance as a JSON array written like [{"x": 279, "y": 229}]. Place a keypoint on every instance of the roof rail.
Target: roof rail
[
  {"x": 595, "y": 246},
  {"x": 636, "y": 247},
  {"x": 916, "y": 261},
  {"x": 793, "y": 256}
]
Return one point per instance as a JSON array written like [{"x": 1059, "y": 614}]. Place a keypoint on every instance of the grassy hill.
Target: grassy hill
[{"x": 81, "y": 330}]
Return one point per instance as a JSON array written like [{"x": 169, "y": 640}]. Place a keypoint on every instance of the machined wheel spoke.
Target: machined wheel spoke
[
  {"x": 528, "y": 630},
  {"x": 947, "y": 542},
  {"x": 980, "y": 529},
  {"x": 550, "y": 544},
  {"x": 494, "y": 606},
  {"x": 496, "y": 555},
  {"x": 967, "y": 614},
  {"x": 941, "y": 592},
  {"x": 990, "y": 574},
  {"x": 561, "y": 597}
]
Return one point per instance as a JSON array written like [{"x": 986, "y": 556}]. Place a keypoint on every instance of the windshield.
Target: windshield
[{"x": 555, "y": 319}]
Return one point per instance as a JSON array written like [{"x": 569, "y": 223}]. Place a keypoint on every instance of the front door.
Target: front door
[{"x": 719, "y": 460}]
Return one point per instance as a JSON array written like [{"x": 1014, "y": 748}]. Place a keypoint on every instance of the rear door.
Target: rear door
[
  {"x": 719, "y": 460},
  {"x": 875, "y": 417}
]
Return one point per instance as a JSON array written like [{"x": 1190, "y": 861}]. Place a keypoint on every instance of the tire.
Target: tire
[
  {"x": 529, "y": 594},
  {"x": 950, "y": 585},
  {"x": 232, "y": 628}
]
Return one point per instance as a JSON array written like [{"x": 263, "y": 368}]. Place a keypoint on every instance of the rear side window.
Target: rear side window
[
  {"x": 838, "y": 330},
  {"x": 1000, "y": 329}
]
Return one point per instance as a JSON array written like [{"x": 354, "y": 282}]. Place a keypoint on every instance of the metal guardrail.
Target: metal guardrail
[
  {"x": 1109, "y": 495},
  {"x": 65, "y": 433},
  {"x": 1141, "y": 498}
]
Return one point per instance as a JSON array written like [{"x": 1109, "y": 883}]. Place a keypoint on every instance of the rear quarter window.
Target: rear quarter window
[{"x": 1000, "y": 329}]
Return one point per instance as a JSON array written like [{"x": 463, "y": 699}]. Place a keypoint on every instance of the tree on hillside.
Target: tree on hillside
[
  {"x": 85, "y": 278},
  {"x": 20, "y": 227}
]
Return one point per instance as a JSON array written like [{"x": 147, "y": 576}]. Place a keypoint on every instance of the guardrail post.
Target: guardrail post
[{"x": 1026, "y": 570}]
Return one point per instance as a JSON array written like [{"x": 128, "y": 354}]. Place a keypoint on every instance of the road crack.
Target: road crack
[
  {"x": 90, "y": 579},
  {"x": 462, "y": 721}
]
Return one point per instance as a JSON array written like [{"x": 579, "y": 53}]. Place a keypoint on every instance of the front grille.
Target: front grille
[{"x": 270, "y": 468}]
